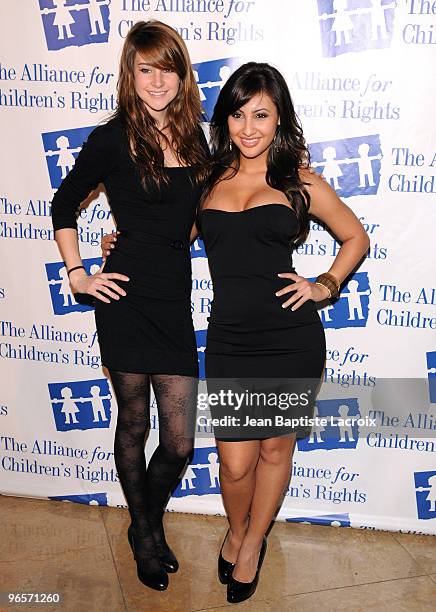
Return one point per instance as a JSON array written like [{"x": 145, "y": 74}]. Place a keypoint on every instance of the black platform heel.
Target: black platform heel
[
  {"x": 157, "y": 580},
  {"x": 225, "y": 568},
  {"x": 240, "y": 591}
]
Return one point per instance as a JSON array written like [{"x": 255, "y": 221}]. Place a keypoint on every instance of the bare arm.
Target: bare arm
[
  {"x": 99, "y": 285},
  {"x": 327, "y": 207}
]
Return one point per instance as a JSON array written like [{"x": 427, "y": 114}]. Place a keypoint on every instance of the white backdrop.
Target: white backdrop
[{"x": 360, "y": 75}]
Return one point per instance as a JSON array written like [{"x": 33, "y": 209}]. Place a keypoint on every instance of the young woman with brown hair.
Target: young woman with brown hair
[{"x": 150, "y": 156}]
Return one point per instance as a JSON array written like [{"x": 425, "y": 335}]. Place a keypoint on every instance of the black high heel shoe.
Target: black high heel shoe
[
  {"x": 225, "y": 568},
  {"x": 165, "y": 554},
  {"x": 167, "y": 558},
  {"x": 240, "y": 591},
  {"x": 157, "y": 580}
]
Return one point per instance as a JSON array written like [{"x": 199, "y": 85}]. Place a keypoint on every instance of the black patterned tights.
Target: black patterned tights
[{"x": 147, "y": 489}]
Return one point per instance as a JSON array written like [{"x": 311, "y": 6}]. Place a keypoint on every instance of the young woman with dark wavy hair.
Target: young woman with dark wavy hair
[
  {"x": 150, "y": 156},
  {"x": 255, "y": 209}
]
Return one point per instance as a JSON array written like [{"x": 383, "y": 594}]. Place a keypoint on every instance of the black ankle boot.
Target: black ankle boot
[
  {"x": 240, "y": 591},
  {"x": 157, "y": 579},
  {"x": 225, "y": 568}
]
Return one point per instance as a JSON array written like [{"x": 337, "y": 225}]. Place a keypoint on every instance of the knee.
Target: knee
[
  {"x": 275, "y": 454},
  {"x": 132, "y": 433},
  {"x": 235, "y": 471},
  {"x": 180, "y": 451}
]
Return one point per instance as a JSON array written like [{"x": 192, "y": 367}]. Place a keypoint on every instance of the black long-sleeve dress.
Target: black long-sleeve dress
[{"x": 150, "y": 330}]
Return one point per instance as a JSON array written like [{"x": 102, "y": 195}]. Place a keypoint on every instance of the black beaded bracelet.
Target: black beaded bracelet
[{"x": 76, "y": 268}]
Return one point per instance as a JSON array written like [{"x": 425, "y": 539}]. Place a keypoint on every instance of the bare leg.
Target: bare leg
[
  {"x": 238, "y": 462},
  {"x": 271, "y": 477}
]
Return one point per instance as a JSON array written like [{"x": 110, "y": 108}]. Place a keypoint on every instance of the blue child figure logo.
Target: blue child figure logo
[
  {"x": 351, "y": 309},
  {"x": 75, "y": 22},
  {"x": 210, "y": 77},
  {"x": 63, "y": 301},
  {"x": 425, "y": 485},
  {"x": 81, "y": 404},
  {"x": 61, "y": 149},
  {"x": 351, "y": 166},
  {"x": 202, "y": 474},
  {"x": 355, "y": 25},
  {"x": 333, "y": 428}
]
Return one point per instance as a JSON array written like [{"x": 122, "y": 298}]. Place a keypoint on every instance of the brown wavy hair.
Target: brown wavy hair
[{"x": 161, "y": 47}]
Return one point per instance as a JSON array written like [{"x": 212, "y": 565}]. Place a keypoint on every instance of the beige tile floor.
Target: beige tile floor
[{"x": 82, "y": 552}]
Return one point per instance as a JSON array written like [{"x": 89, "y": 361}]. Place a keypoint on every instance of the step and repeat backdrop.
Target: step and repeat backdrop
[{"x": 361, "y": 73}]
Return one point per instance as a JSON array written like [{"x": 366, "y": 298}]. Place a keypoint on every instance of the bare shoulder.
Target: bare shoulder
[
  {"x": 315, "y": 184},
  {"x": 310, "y": 177}
]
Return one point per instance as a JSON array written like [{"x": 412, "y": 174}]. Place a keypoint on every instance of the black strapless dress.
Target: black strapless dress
[{"x": 251, "y": 339}]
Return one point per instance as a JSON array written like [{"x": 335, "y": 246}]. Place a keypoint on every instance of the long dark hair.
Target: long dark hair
[
  {"x": 163, "y": 48},
  {"x": 288, "y": 152}
]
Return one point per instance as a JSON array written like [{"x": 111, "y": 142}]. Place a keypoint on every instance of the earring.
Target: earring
[
  {"x": 275, "y": 143},
  {"x": 230, "y": 145}
]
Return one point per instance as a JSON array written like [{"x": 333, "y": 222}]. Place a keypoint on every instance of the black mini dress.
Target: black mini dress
[
  {"x": 150, "y": 330},
  {"x": 252, "y": 342}
]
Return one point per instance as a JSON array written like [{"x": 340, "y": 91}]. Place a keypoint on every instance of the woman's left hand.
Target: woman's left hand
[{"x": 302, "y": 290}]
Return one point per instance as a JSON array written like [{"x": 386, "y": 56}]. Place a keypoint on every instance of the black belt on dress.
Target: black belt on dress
[{"x": 154, "y": 239}]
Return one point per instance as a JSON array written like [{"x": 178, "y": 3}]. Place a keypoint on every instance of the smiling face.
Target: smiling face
[
  {"x": 155, "y": 87},
  {"x": 253, "y": 126}
]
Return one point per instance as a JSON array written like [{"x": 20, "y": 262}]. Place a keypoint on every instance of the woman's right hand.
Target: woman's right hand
[
  {"x": 107, "y": 243},
  {"x": 98, "y": 285}
]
